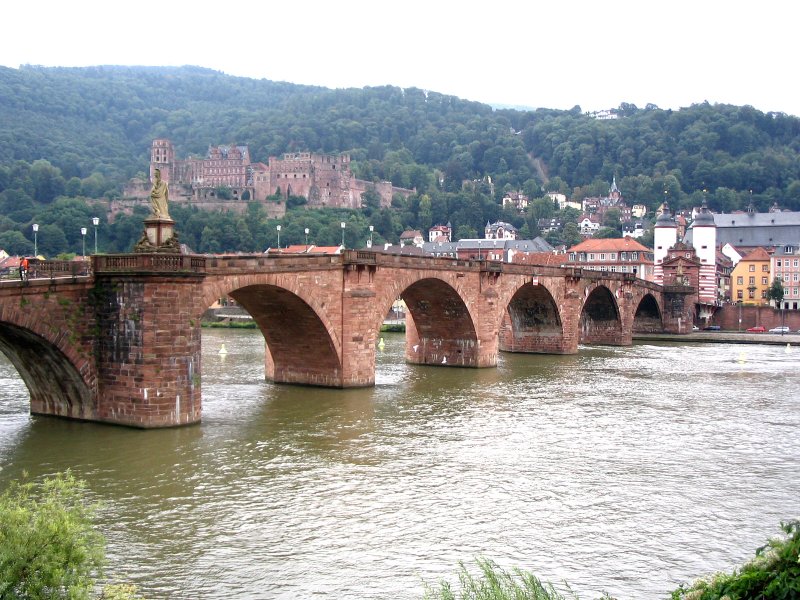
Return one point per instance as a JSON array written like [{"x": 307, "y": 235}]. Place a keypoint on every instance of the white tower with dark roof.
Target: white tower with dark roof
[
  {"x": 665, "y": 235},
  {"x": 704, "y": 240}
]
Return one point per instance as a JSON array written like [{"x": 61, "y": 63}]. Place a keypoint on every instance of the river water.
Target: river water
[{"x": 625, "y": 470}]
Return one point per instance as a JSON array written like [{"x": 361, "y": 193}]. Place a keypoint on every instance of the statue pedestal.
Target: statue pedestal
[{"x": 159, "y": 236}]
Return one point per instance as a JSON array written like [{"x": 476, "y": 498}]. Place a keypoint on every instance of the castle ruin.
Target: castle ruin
[{"x": 324, "y": 180}]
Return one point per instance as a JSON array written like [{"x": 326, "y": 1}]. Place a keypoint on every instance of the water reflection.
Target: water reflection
[{"x": 619, "y": 469}]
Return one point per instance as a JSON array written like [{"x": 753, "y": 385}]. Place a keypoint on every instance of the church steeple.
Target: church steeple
[{"x": 613, "y": 191}]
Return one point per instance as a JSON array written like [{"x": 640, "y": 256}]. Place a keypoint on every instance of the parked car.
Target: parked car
[
  {"x": 756, "y": 329},
  {"x": 712, "y": 327},
  {"x": 781, "y": 329}
]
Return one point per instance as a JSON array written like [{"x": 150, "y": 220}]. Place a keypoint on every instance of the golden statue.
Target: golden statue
[{"x": 159, "y": 197}]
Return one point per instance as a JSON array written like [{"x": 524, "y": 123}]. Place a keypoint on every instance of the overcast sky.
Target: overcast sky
[{"x": 554, "y": 54}]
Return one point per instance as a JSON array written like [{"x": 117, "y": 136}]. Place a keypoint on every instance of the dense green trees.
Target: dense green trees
[{"x": 83, "y": 132}]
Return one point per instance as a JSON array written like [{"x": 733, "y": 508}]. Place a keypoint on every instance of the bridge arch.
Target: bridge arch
[
  {"x": 532, "y": 322},
  {"x": 300, "y": 343},
  {"x": 57, "y": 371},
  {"x": 440, "y": 326},
  {"x": 647, "y": 318},
  {"x": 600, "y": 320}
]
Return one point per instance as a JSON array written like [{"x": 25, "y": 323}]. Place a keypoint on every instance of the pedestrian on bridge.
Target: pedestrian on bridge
[{"x": 23, "y": 269}]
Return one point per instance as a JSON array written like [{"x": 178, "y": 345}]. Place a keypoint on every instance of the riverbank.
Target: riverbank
[{"x": 723, "y": 337}]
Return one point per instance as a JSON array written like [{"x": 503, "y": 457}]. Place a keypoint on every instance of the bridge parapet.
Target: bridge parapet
[
  {"x": 170, "y": 263},
  {"x": 58, "y": 268}
]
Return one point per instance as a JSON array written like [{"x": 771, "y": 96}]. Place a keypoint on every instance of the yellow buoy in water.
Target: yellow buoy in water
[
  {"x": 381, "y": 344},
  {"x": 742, "y": 358},
  {"x": 222, "y": 350}
]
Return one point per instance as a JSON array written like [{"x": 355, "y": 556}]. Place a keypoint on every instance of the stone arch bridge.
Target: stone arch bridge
[{"x": 121, "y": 344}]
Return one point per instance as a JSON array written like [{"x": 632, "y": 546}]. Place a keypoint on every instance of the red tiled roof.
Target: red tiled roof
[
  {"x": 541, "y": 259},
  {"x": 326, "y": 250},
  {"x": 625, "y": 244},
  {"x": 296, "y": 249},
  {"x": 757, "y": 254}
]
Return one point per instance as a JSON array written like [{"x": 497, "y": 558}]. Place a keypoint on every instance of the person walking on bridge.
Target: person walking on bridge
[{"x": 23, "y": 269}]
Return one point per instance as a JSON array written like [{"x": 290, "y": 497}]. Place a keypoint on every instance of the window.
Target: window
[
  {"x": 572, "y": 256},
  {"x": 613, "y": 256},
  {"x": 591, "y": 256},
  {"x": 602, "y": 256},
  {"x": 795, "y": 263},
  {"x": 751, "y": 294},
  {"x": 763, "y": 293},
  {"x": 740, "y": 280},
  {"x": 739, "y": 294},
  {"x": 765, "y": 268},
  {"x": 763, "y": 281},
  {"x": 751, "y": 268},
  {"x": 778, "y": 263},
  {"x": 634, "y": 255},
  {"x": 752, "y": 281}
]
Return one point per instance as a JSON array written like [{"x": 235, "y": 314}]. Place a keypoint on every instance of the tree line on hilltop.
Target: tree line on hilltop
[{"x": 71, "y": 137}]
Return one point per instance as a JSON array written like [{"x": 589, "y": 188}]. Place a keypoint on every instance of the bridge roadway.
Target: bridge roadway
[{"x": 122, "y": 343}]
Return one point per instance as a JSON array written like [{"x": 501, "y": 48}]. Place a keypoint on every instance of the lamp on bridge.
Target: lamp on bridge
[
  {"x": 279, "y": 236},
  {"x": 371, "y": 228},
  {"x": 83, "y": 238},
  {"x": 306, "y": 236},
  {"x": 35, "y": 241},
  {"x": 343, "y": 226},
  {"x": 95, "y": 222}
]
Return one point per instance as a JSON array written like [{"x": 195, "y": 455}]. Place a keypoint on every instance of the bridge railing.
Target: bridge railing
[
  {"x": 363, "y": 257},
  {"x": 58, "y": 268},
  {"x": 169, "y": 263}
]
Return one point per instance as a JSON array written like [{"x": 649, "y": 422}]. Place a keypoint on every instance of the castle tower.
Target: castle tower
[
  {"x": 704, "y": 240},
  {"x": 665, "y": 235},
  {"x": 162, "y": 156}
]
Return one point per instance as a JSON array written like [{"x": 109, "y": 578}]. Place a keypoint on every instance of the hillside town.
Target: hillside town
[{"x": 730, "y": 259}]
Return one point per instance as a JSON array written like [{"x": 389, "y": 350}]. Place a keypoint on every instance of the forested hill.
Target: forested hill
[
  {"x": 102, "y": 120},
  {"x": 69, "y": 136}
]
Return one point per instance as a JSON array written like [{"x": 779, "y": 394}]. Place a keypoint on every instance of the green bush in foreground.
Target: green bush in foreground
[
  {"x": 774, "y": 574},
  {"x": 48, "y": 546},
  {"x": 495, "y": 584}
]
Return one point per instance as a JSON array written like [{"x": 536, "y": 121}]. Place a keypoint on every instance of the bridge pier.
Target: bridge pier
[{"x": 149, "y": 350}]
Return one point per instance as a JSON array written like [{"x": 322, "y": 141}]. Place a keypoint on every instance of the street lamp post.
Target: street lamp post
[
  {"x": 306, "y": 236},
  {"x": 343, "y": 226},
  {"x": 35, "y": 241},
  {"x": 740, "y": 314},
  {"x": 371, "y": 229},
  {"x": 279, "y": 236},
  {"x": 83, "y": 238},
  {"x": 95, "y": 222}
]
